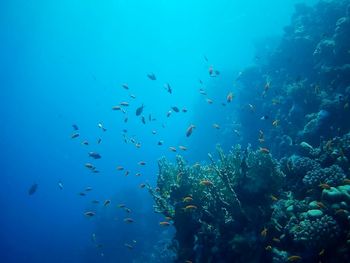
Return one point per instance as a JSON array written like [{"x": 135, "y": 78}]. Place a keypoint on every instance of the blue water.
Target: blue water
[{"x": 63, "y": 63}]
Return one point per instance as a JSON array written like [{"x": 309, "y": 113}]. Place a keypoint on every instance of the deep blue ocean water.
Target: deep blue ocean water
[{"x": 63, "y": 63}]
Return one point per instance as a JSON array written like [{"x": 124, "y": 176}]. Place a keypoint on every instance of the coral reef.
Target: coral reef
[{"x": 288, "y": 200}]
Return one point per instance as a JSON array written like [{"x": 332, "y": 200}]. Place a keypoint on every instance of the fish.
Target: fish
[
  {"x": 88, "y": 189},
  {"x": 126, "y": 119},
  {"x": 168, "y": 114},
  {"x": 89, "y": 213},
  {"x": 176, "y": 109},
  {"x": 60, "y": 185},
  {"x": 143, "y": 119},
  {"x": 139, "y": 110},
  {"x": 168, "y": 88},
  {"x": 268, "y": 248},
  {"x": 82, "y": 194},
  {"x": 324, "y": 186},
  {"x": 263, "y": 232},
  {"x": 75, "y": 135},
  {"x": 321, "y": 205},
  {"x": 187, "y": 199},
  {"x": 201, "y": 91},
  {"x": 190, "y": 208},
  {"x": 216, "y": 126},
  {"x": 100, "y": 125},
  {"x": 75, "y": 127},
  {"x": 264, "y": 150},
  {"x": 264, "y": 117},
  {"x": 164, "y": 223},
  {"x": 183, "y": 148},
  {"x": 95, "y": 201},
  {"x": 33, "y": 189},
  {"x": 149, "y": 117},
  {"x": 160, "y": 143},
  {"x": 99, "y": 140},
  {"x": 107, "y": 202},
  {"x": 261, "y": 136},
  {"x": 173, "y": 149},
  {"x": 321, "y": 253},
  {"x": 85, "y": 143},
  {"x": 127, "y": 173},
  {"x": 275, "y": 123},
  {"x": 229, "y": 97},
  {"x": 138, "y": 174},
  {"x": 125, "y": 86},
  {"x": 251, "y": 107},
  {"x": 205, "y": 58},
  {"x": 206, "y": 183},
  {"x": 154, "y": 132},
  {"x": 190, "y": 130},
  {"x": 116, "y": 107},
  {"x": 141, "y": 163},
  {"x": 142, "y": 185},
  {"x": 120, "y": 168},
  {"x": 95, "y": 155},
  {"x": 132, "y": 96},
  {"x": 138, "y": 145},
  {"x": 277, "y": 240},
  {"x": 209, "y": 101},
  {"x": 121, "y": 205},
  {"x": 90, "y": 166},
  {"x": 168, "y": 218},
  {"x": 128, "y": 220},
  {"x": 274, "y": 198},
  {"x": 151, "y": 76},
  {"x": 184, "y": 110},
  {"x": 128, "y": 246},
  {"x": 128, "y": 210},
  {"x": 237, "y": 132},
  {"x": 294, "y": 258},
  {"x": 346, "y": 181},
  {"x": 124, "y": 103}
]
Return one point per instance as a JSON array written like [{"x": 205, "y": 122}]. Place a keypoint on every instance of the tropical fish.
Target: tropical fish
[
  {"x": 321, "y": 253},
  {"x": 124, "y": 103},
  {"x": 251, "y": 107},
  {"x": 139, "y": 110},
  {"x": 143, "y": 119},
  {"x": 75, "y": 127},
  {"x": 168, "y": 113},
  {"x": 187, "y": 199},
  {"x": 82, "y": 194},
  {"x": 33, "y": 189},
  {"x": 184, "y": 110},
  {"x": 168, "y": 88},
  {"x": 264, "y": 117},
  {"x": 125, "y": 86},
  {"x": 89, "y": 166},
  {"x": 160, "y": 143},
  {"x": 121, "y": 205},
  {"x": 142, "y": 163},
  {"x": 275, "y": 123},
  {"x": 294, "y": 258},
  {"x": 89, "y": 213},
  {"x": 263, "y": 232},
  {"x": 151, "y": 76},
  {"x": 100, "y": 125},
  {"x": 176, "y": 109},
  {"x": 183, "y": 148},
  {"x": 154, "y": 132},
  {"x": 206, "y": 183},
  {"x": 117, "y": 107},
  {"x": 95, "y": 201},
  {"x": 173, "y": 149},
  {"x": 190, "y": 130},
  {"x": 120, "y": 168},
  {"x": 324, "y": 186},
  {"x": 142, "y": 185},
  {"x": 128, "y": 246},
  {"x": 201, "y": 91},
  {"x": 128, "y": 220},
  {"x": 85, "y": 143},
  {"x": 216, "y": 126},
  {"x": 127, "y": 173},
  {"x": 274, "y": 198},
  {"x": 268, "y": 248},
  {"x": 138, "y": 174},
  {"x": 60, "y": 185},
  {"x": 75, "y": 135},
  {"x": 88, "y": 189},
  {"x": 132, "y": 96},
  {"x": 209, "y": 101},
  {"x": 107, "y": 202},
  {"x": 264, "y": 150},
  {"x": 99, "y": 140},
  {"x": 229, "y": 97},
  {"x": 94, "y": 155},
  {"x": 164, "y": 223},
  {"x": 190, "y": 208}
]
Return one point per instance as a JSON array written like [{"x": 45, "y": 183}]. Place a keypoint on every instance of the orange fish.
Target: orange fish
[
  {"x": 206, "y": 183},
  {"x": 324, "y": 186},
  {"x": 294, "y": 258},
  {"x": 164, "y": 223},
  {"x": 188, "y": 199},
  {"x": 190, "y": 130},
  {"x": 190, "y": 208}
]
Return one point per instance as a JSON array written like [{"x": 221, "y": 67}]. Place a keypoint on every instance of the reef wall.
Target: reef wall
[{"x": 287, "y": 196}]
